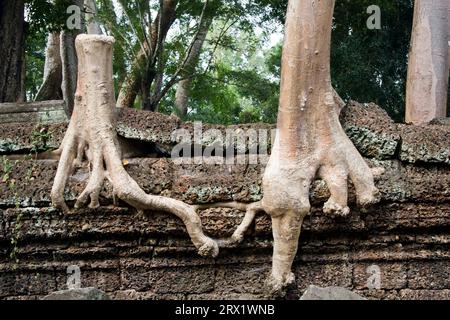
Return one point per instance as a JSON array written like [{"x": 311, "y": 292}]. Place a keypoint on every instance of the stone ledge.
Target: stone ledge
[{"x": 369, "y": 127}]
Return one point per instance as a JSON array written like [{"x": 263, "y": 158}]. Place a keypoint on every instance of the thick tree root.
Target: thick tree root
[
  {"x": 91, "y": 135},
  {"x": 286, "y": 186}
]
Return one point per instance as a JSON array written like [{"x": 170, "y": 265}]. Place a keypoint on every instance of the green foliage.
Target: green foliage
[
  {"x": 35, "y": 60},
  {"x": 47, "y": 16},
  {"x": 39, "y": 140},
  {"x": 235, "y": 80},
  {"x": 371, "y": 65},
  {"x": 7, "y": 168}
]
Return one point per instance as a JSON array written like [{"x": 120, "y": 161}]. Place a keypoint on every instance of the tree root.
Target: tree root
[
  {"x": 91, "y": 135},
  {"x": 250, "y": 209}
]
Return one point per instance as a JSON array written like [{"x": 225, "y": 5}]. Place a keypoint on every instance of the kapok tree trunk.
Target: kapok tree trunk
[
  {"x": 427, "y": 86},
  {"x": 92, "y": 133},
  {"x": 51, "y": 86},
  {"x": 11, "y": 50},
  {"x": 310, "y": 141}
]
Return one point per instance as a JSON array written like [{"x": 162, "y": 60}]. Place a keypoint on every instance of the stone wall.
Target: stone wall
[{"x": 147, "y": 255}]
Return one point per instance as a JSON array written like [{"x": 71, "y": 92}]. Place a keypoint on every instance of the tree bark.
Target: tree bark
[
  {"x": 69, "y": 63},
  {"x": 182, "y": 93},
  {"x": 182, "y": 97},
  {"x": 427, "y": 85},
  {"x": 310, "y": 141},
  {"x": 92, "y": 134},
  {"x": 11, "y": 50},
  {"x": 51, "y": 86}
]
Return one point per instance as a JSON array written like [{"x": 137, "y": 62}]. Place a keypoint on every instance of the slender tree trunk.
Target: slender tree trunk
[
  {"x": 142, "y": 71},
  {"x": 51, "y": 87},
  {"x": 310, "y": 141},
  {"x": 427, "y": 86},
  {"x": 91, "y": 11},
  {"x": 182, "y": 97},
  {"x": 11, "y": 50},
  {"x": 69, "y": 63},
  {"x": 182, "y": 94}
]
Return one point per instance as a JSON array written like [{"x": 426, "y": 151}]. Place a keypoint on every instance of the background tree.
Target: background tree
[
  {"x": 12, "y": 35},
  {"x": 427, "y": 90},
  {"x": 60, "y": 69},
  {"x": 182, "y": 93},
  {"x": 52, "y": 80}
]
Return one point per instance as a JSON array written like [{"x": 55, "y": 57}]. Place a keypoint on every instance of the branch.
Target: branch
[
  {"x": 221, "y": 34},
  {"x": 174, "y": 78}
]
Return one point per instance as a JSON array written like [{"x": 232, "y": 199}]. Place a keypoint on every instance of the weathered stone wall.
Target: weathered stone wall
[{"x": 135, "y": 255}]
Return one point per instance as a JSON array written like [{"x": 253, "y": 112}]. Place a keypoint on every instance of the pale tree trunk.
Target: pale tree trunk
[
  {"x": 427, "y": 85},
  {"x": 11, "y": 50},
  {"x": 142, "y": 71},
  {"x": 310, "y": 141},
  {"x": 51, "y": 86},
  {"x": 92, "y": 134},
  {"x": 182, "y": 97},
  {"x": 182, "y": 93},
  {"x": 91, "y": 11},
  {"x": 448, "y": 15}
]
